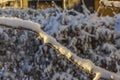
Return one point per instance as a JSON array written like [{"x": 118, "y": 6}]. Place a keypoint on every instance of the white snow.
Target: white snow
[
  {"x": 52, "y": 21},
  {"x": 117, "y": 22},
  {"x": 18, "y": 23},
  {"x": 63, "y": 76},
  {"x": 1, "y": 30},
  {"x": 86, "y": 64}
]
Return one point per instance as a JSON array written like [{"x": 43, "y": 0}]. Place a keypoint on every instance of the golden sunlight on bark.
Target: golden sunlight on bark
[{"x": 107, "y": 7}]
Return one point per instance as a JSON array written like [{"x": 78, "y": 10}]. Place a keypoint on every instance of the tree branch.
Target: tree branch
[
  {"x": 86, "y": 64},
  {"x": 111, "y": 3}
]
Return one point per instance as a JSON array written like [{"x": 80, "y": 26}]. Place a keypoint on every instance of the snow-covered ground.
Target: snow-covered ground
[{"x": 23, "y": 56}]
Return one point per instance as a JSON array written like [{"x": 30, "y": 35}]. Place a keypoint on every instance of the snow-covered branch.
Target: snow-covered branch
[{"x": 86, "y": 64}]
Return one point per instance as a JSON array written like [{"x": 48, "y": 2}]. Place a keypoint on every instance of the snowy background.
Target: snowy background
[{"x": 24, "y": 57}]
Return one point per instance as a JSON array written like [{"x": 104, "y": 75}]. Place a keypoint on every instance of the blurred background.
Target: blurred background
[{"x": 92, "y": 5}]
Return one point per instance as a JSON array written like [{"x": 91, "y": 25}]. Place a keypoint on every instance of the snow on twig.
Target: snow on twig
[
  {"x": 85, "y": 10},
  {"x": 86, "y": 64},
  {"x": 62, "y": 76}
]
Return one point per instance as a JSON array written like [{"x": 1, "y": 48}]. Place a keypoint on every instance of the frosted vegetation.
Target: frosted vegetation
[{"x": 24, "y": 55}]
